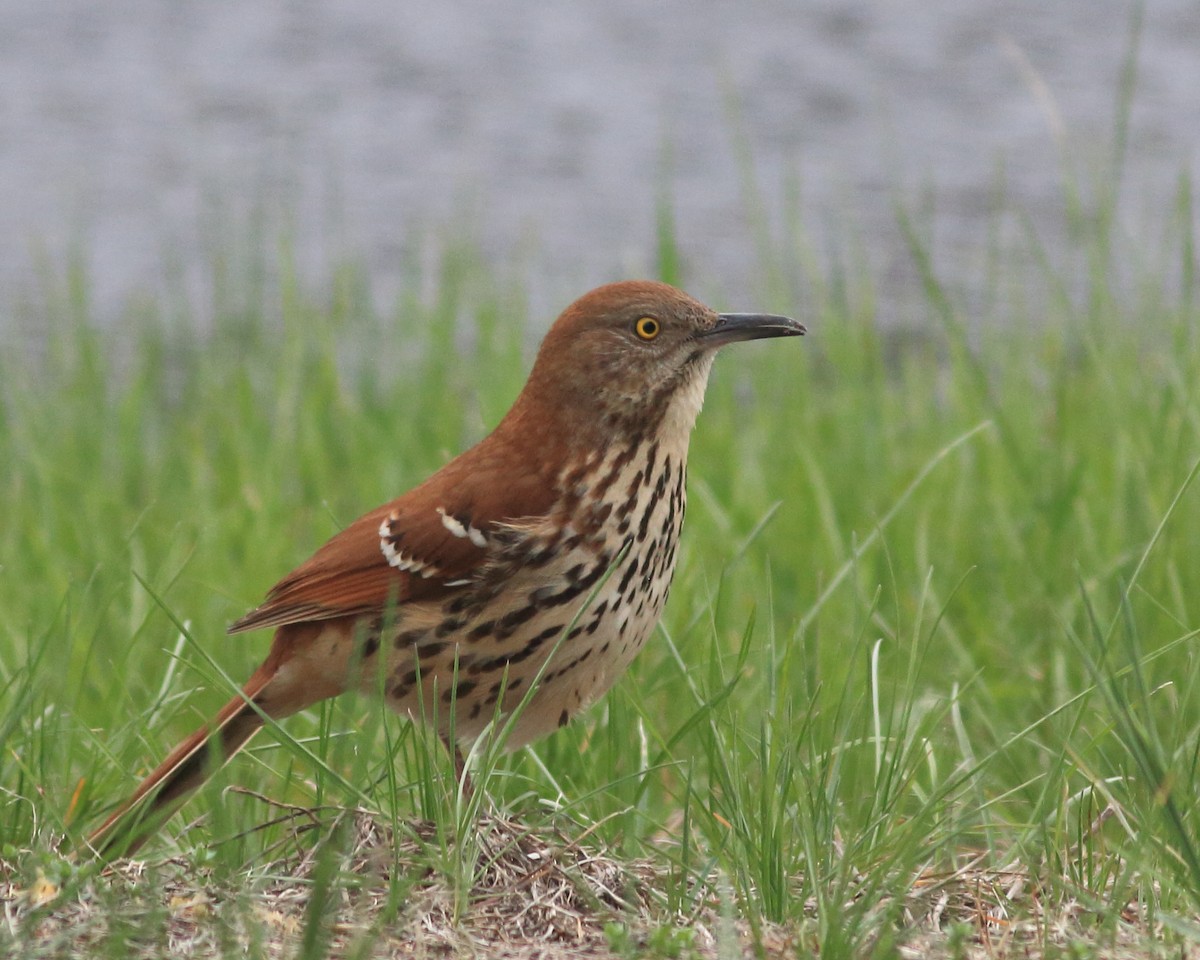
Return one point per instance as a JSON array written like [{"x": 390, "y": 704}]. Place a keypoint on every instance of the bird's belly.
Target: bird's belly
[{"x": 578, "y": 618}]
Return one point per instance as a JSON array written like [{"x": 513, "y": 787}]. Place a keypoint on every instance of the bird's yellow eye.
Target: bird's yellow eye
[{"x": 647, "y": 328}]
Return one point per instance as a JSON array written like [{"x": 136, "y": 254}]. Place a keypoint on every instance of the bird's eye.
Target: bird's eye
[{"x": 647, "y": 328}]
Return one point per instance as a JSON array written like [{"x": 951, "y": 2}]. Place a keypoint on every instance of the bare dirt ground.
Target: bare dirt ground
[{"x": 531, "y": 896}]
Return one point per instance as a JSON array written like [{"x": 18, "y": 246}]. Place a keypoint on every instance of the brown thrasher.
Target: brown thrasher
[{"x": 454, "y": 595}]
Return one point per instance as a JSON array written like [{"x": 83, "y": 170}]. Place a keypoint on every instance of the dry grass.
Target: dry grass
[{"x": 533, "y": 895}]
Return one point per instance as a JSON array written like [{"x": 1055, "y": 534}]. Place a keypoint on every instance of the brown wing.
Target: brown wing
[{"x": 429, "y": 541}]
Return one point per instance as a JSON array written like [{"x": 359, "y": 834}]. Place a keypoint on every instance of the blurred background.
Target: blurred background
[{"x": 139, "y": 137}]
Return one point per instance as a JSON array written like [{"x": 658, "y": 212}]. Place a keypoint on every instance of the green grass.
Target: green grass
[{"x": 935, "y": 615}]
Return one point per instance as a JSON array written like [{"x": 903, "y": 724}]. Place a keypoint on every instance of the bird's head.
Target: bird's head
[{"x": 627, "y": 355}]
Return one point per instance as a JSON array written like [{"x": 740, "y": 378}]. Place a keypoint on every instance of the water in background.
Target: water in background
[{"x": 142, "y": 135}]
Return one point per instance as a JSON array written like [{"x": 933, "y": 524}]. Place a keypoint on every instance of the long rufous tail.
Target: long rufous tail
[{"x": 184, "y": 770}]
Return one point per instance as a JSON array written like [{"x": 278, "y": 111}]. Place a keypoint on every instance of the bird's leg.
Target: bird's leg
[{"x": 462, "y": 776}]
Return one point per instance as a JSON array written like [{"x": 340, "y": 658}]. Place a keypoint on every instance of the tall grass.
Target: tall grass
[{"x": 935, "y": 603}]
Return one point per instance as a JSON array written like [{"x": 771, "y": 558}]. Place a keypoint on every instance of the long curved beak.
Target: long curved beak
[{"x": 732, "y": 327}]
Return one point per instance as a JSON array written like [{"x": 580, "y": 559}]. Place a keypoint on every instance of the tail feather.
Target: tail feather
[{"x": 184, "y": 770}]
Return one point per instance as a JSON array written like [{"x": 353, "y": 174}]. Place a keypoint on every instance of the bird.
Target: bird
[{"x": 543, "y": 553}]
